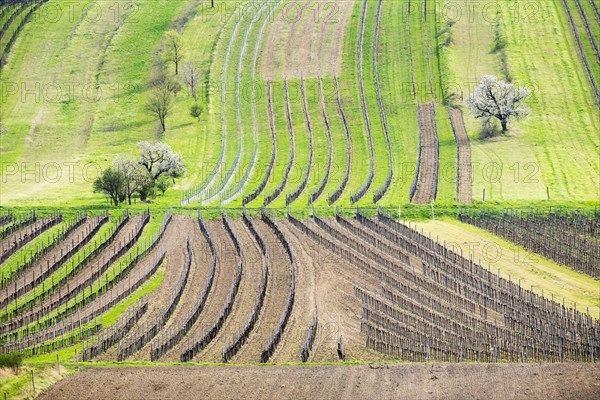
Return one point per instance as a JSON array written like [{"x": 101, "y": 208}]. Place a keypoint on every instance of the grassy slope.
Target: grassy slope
[
  {"x": 60, "y": 128},
  {"x": 351, "y": 100},
  {"x": 556, "y": 145},
  {"x": 396, "y": 91}
]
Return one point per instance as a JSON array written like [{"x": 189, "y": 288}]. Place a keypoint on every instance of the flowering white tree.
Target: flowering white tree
[{"x": 498, "y": 99}]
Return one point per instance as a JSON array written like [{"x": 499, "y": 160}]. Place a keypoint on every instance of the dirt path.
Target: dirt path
[
  {"x": 426, "y": 188},
  {"x": 338, "y": 310},
  {"x": 406, "y": 381},
  {"x": 275, "y": 299},
  {"x": 464, "y": 173},
  {"x": 306, "y": 39}
]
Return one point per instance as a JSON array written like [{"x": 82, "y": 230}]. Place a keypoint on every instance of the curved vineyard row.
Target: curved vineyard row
[
  {"x": 62, "y": 275},
  {"x": 25, "y": 15},
  {"x": 588, "y": 29},
  {"x": 380, "y": 192},
  {"x": 231, "y": 173},
  {"x": 20, "y": 238},
  {"x": 369, "y": 180},
  {"x": 207, "y": 189},
  {"x": 315, "y": 194},
  {"x": 31, "y": 280},
  {"x": 271, "y": 345},
  {"x": 298, "y": 191},
  {"x": 586, "y": 64},
  {"x": 288, "y": 112},
  {"x": 244, "y": 181},
  {"x": 72, "y": 302},
  {"x": 114, "y": 334},
  {"x": 212, "y": 332},
  {"x": 333, "y": 197},
  {"x": 242, "y": 335},
  {"x": 263, "y": 183},
  {"x": 39, "y": 253}
]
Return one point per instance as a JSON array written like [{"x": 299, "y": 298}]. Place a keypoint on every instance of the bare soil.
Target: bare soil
[
  {"x": 248, "y": 291},
  {"x": 227, "y": 263},
  {"x": 338, "y": 310},
  {"x": 179, "y": 229},
  {"x": 464, "y": 189},
  {"x": 306, "y": 39},
  {"x": 199, "y": 270},
  {"x": 426, "y": 181},
  {"x": 400, "y": 381},
  {"x": 275, "y": 299}
]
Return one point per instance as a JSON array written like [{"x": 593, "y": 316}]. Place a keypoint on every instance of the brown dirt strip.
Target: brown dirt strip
[
  {"x": 339, "y": 313},
  {"x": 304, "y": 302},
  {"x": 464, "y": 173},
  {"x": 129, "y": 229},
  {"x": 401, "y": 381},
  {"x": 428, "y": 151},
  {"x": 271, "y": 63},
  {"x": 307, "y": 39},
  {"x": 227, "y": 264},
  {"x": 201, "y": 257},
  {"x": 245, "y": 299},
  {"x": 275, "y": 299},
  {"x": 175, "y": 243},
  {"x": 43, "y": 264},
  {"x": 201, "y": 263}
]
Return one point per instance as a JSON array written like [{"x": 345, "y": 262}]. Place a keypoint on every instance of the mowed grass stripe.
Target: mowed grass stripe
[
  {"x": 350, "y": 96},
  {"x": 397, "y": 96}
]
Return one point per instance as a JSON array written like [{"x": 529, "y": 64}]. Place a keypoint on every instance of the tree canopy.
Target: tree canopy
[{"x": 498, "y": 99}]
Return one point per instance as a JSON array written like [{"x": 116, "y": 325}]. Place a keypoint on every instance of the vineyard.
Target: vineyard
[
  {"x": 330, "y": 197},
  {"x": 249, "y": 291}
]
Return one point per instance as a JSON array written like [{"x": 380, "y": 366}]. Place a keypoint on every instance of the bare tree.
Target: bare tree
[
  {"x": 161, "y": 101},
  {"x": 498, "y": 99},
  {"x": 191, "y": 77},
  {"x": 173, "y": 50}
]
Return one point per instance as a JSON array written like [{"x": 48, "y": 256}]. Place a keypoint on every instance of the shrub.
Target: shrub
[
  {"x": 196, "y": 110},
  {"x": 12, "y": 361}
]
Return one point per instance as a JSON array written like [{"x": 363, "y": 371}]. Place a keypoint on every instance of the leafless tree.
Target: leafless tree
[
  {"x": 191, "y": 77},
  {"x": 173, "y": 49},
  {"x": 160, "y": 101}
]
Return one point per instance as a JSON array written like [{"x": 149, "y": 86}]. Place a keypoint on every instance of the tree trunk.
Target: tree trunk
[
  {"x": 176, "y": 67},
  {"x": 162, "y": 124},
  {"x": 504, "y": 123}
]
